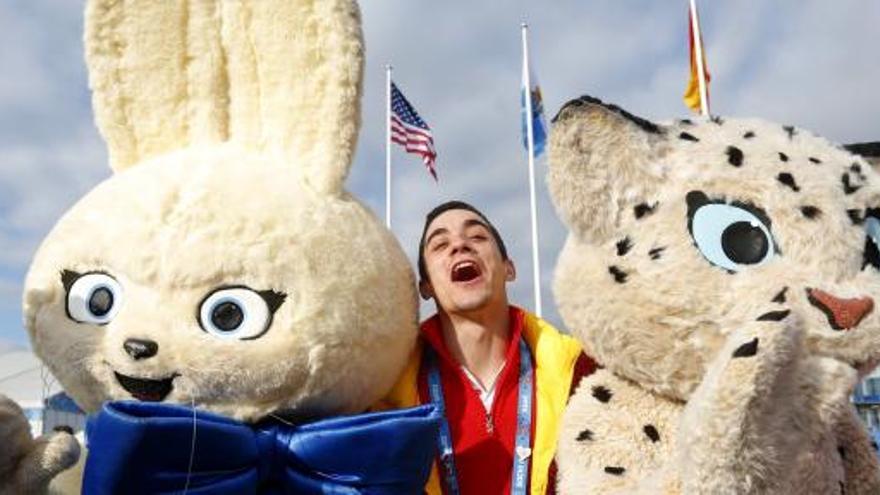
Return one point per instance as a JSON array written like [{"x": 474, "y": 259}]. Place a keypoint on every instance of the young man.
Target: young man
[{"x": 501, "y": 375}]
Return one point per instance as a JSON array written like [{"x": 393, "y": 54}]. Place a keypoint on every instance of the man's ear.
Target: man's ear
[
  {"x": 426, "y": 290},
  {"x": 510, "y": 270}
]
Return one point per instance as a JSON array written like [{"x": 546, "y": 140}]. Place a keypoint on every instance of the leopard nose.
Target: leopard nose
[
  {"x": 842, "y": 314},
  {"x": 140, "y": 349}
]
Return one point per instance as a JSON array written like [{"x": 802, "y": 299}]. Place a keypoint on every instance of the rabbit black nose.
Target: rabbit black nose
[{"x": 140, "y": 349}]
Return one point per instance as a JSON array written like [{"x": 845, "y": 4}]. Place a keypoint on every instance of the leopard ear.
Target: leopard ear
[
  {"x": 602, "y": 165},
  {"x": 869, "y": 151}
]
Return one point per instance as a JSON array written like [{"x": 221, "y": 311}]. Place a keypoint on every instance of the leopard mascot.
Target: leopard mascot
[{"x": 724, "y": 273}]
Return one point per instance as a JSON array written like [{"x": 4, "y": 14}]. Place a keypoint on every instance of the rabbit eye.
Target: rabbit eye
[
  {"x": 93, "y": 298},
  {"x": 238, "y": 313}
]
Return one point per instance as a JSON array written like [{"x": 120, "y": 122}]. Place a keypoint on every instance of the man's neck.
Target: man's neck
[{"x": 478, "y": 340}]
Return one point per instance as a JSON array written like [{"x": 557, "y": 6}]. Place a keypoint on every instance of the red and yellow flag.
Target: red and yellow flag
[{"x": 692, "y": 96}]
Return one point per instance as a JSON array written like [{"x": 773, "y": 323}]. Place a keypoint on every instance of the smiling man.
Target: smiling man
[{"x": 501, "y": 375}]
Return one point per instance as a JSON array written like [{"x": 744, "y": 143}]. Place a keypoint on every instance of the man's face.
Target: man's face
[{"x": 466, "y": 271}]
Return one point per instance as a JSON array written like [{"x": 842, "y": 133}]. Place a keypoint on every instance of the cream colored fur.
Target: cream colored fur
[
  {"x": 27, "y": 464},
  {"x": 231, "y": 127},
  {"x": 769, "y": 421}
]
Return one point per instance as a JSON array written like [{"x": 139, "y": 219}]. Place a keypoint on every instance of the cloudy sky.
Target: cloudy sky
[{"x": 806, "y": 62}]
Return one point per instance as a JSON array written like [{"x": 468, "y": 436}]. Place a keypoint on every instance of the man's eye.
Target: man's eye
[{"x": 439, "y": 246}]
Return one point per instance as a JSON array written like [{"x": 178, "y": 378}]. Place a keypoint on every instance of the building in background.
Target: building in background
[
  {"x": 867, "y": 401},
  {"x": 24, "y": 379}
]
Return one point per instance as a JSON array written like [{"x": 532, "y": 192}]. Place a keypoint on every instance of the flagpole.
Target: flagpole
[
  {"x": 388, "y": 146},
  {"x": 698, "y": 47},
  {"x": 527, "y": 83}
]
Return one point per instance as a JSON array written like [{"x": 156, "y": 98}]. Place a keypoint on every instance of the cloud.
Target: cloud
[
  {"x": 12, "y": 333},
  {"x": 6, "y": 346},
  {"x": 49, "y": 151}
]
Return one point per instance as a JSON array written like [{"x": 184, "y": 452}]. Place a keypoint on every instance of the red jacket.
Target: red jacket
[{"x": 484, "y": 444}]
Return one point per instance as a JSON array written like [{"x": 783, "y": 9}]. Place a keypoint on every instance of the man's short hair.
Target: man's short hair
[{"x": 454, "y": 205}]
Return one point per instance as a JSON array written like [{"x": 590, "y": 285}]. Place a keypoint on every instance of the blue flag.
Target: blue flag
[{"x": 539, "y": 122}]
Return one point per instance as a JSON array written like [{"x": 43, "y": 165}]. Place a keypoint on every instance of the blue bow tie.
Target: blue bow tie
[{"x": 142, "y": 447}]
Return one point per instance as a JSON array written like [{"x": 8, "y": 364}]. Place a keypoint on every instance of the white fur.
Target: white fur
[{"x": 231, "y": 127}]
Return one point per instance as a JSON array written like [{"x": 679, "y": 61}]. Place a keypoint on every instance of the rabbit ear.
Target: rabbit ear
[{"x": 280, "y": 76}]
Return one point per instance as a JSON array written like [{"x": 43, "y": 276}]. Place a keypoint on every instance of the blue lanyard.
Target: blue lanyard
[{"x": 522, "y": 451}]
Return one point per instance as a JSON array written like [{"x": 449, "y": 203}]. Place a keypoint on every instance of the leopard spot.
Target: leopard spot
[
  {"x": 780, "y": 297},
  {"x": 734, "y": 156},
  {"x": 774, "y": 316},
  {"x": 656, "y": 253},
  {"x": 585, "y": 436},
  {"x": 855, "y": 216},
  {"x": 652, "y": 433},
  {"x": 618, "y": 274},
  {"x": 810, "y": 212},
  {"x": 623, "y": 246},
  {"x": 602, "y": 394},
  {"x": 748, "y": 349},
  {"x": 787, "y": 180},
  {"x": 642, "y": 210}
]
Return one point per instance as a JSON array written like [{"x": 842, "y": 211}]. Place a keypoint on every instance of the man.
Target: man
[{"x": 501, "y": 375}]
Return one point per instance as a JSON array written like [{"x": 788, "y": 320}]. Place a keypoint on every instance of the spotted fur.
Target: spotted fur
[{"x": 720, "y": 337}]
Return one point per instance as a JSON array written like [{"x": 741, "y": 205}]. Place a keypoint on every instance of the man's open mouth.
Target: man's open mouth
[
  {"x": 465, "y": 271},
  {"x": 144, "y": 389}
]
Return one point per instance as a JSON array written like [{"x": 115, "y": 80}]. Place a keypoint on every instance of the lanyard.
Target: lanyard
[{"x": 521, "y": 453}]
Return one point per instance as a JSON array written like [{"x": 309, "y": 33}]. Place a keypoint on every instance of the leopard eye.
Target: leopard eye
[
  {"x": 872, "y": 239},
  {"x": 93, "y": 298},
  {"x": 731, "y": 236}
]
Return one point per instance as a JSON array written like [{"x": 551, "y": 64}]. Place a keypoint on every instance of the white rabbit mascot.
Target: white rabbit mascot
[{"x": 221, "y": 303}]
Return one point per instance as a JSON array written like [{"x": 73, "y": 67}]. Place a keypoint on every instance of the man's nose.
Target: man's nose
[{"x": 460, "y": 244}]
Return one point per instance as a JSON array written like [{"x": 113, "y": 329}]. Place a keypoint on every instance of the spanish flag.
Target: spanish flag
[{"x": 693, "y": 94}]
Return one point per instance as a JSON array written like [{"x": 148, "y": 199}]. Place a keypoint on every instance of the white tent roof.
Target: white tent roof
[{"x": 24, "y": 379}]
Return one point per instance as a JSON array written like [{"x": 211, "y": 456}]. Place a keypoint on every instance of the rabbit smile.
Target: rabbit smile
[{"x": 144, "y": 389}]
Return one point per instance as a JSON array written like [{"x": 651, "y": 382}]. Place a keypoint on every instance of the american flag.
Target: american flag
[{"x": 410, "y": 131}]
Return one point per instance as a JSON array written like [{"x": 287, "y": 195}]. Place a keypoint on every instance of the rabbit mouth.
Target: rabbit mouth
[{"x": 146, "y": 390}]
